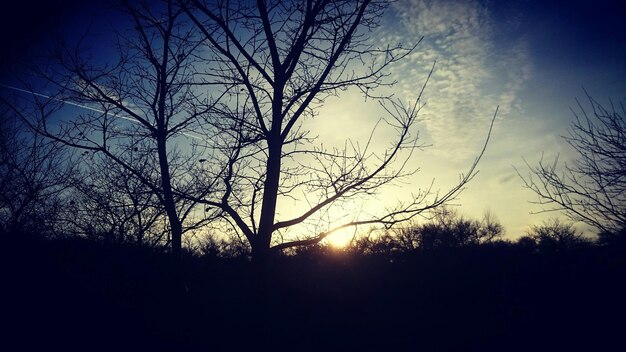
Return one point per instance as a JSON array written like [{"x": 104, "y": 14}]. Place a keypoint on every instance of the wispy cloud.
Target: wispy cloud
[{"x": 475, "y": 71}]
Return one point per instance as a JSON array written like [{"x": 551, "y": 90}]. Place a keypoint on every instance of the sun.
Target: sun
[
  {"x": 341, "y": 238},
  {"x": 335, "y": 217},
  {"x": 340, "y": 215}
]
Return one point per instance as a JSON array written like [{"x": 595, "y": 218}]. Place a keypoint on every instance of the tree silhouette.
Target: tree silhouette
[
  {"x": 276, "y": 62},
  {"x": 35, "y": 174},
  {"x": 137, "y": 108},
  {"x": 447, "y": 229},
  {"x": 110, "y": 204},
  {"x": 556, "y": 236},
  {"x": 591, "y": 189},
  {"x": 204, "y": 103},
  {"x": 450, "y": 230}
]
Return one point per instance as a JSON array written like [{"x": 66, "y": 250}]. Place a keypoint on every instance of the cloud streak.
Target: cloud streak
[{"x": 474, "y": 73}]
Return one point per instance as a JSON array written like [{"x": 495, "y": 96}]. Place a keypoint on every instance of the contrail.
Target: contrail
[{"x": 81, "y": 106}]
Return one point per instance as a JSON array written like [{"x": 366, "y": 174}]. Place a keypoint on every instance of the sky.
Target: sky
[
  {"x": 533, "y": 59},
  {"x": 530, "y": 58}
]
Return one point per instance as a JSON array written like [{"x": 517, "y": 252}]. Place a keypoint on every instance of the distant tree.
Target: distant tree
[
  {"x": 527, "y": 242},
  {"x": 556, "y": 236},
  {"x": 221, "y": 247},
  {"x": 35, "y": 175},
  {"x": 447, "y": 229},
  {"x": 283, "y": 60},
  {"x": 591, "y": 189},
  {"x": 315, "y": 251},
  {"x": 110, "y": 204},
  {"x": 613, "y": 238},
  {"x": 375, "y": 245}
]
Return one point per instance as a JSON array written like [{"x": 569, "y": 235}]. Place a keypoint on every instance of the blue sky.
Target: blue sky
[{"x": 531, "y": 58}]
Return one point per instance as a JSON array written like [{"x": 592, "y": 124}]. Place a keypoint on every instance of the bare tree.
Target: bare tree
[
  {"x": 592, "y": 188},
  {"x": 276, "y": 62},
  {"x": 234, "y": 82},
  {"x": 556, "y": 236},
  {"x": 110, "y": 204},
  {"x": 446, "y": 229},
  {"x": 34, "y": 175},
  {"x": 139, "y": 109}
]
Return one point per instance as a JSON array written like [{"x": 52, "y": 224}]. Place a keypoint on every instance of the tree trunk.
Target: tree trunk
[
  {"x": 261, "y": 246},
  {"x": 176, "y": 227}
]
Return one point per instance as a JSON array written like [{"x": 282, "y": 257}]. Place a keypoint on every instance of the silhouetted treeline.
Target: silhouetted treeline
[{"x": 81, "y": 294}]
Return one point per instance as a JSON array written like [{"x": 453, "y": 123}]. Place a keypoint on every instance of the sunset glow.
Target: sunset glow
[{"x": 341, "y": 238}]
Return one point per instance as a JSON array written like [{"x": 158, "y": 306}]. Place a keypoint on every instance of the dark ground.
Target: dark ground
[{"x": 76, "y": 295}]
